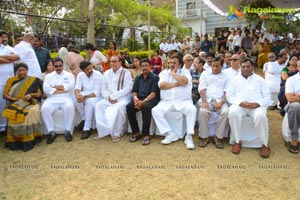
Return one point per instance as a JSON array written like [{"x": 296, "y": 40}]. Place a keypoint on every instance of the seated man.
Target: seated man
[
  {"x": 249, "y": 95},
  {"x": 212, "y": 91},
  {"x": 292, "y": 93},
  {"x": 110, "y": 112},
  {"x": 58, "y": 87},
  {"x": 87, "y": 94},
  {"x": 145, "y": 95},
  {"x": 196, "y": 73},
  {"x": 175, "y": 94}
]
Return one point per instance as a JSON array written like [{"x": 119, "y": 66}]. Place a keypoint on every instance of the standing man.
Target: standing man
[
  {"x": 27, "y": 55},
  {"x": 246, "y": 42},
  {"x": 163, "y": 46},
  {"x": 206, "y": 45},
  {"x": 175, "y": 92},
  {"x": 222, "y": 40},
  {"x": 145, "y": 95},
  {"x": 7, "y": 57},
  {"x": 87, "y": 94},
  {"x": 292, "y": 92},
  {"x": 248, "y": 94},
  {"x": 110, "y": 112},
  {"x": 41, "y": 53},
  {"x": 212, "y": 91},
  {"x": 5, "y": 39},
  {"x": 58, "y": 86}
]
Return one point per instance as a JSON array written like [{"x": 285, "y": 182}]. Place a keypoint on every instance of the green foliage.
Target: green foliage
[{"x": 55, "y": 54}]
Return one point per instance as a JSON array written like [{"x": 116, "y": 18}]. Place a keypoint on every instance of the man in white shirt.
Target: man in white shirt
[
  {"x": 87, "y": 94},
  {"x": 248, "y": 94},
  {"x": 58, "y": 86},
  {"x": 208, "y": 64},
  {"x": 7, "y": 57},
  {"x": 271, "y": 58},
  {"x": 292, "y": 93},
  {"x": 188, "y": 62},
  {"x": 28, "y": 56},
  {"x": 227, "y": 61},
  {"x": 110, "y": 112},
  {"x": 235, "y": 69},
  {"x": 212, "y": 91},
  {"x": 163, "y": 46},
  {"x": 237, "y": 41},
  {"x": 273, "y": 78},
  {"x": 175, "y": 93}
]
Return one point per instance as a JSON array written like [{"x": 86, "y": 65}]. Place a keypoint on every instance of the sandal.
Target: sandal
[
  {"x": 97, "y": 138},
  {"x": 115, "y": 138},
  {"x": 204, "y": 142},
  {"x": 218, "y": 143},
  {"x": 294, "y": 149},
  {"x": 146, "y": 141},
  {"x": 135, "y": 138}
]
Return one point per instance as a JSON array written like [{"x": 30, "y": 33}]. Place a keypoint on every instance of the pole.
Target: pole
[
  {"x": 91, "y": 24},
  {"x": 149, "y": 35}
]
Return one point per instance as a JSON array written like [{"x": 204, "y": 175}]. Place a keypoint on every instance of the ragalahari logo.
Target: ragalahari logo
[{"x": 234, "y": 13}]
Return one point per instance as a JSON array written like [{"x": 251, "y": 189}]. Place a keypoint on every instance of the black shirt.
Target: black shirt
[{"x": 143, "y": 87}]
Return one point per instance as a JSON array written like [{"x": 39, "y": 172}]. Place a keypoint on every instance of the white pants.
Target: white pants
[
  {"x": 48, "y": 108},
  {"x": 259, "y": 115},
  {"x": 3, "y": 121},
  {"x": 86, "y": 110},
  {"x": 110, "y": 118},
  {"x": 163, "y": 107},
  {"x": 274, "y": 98}
]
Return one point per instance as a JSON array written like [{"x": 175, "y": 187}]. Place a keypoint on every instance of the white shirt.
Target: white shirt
[
  {"x": 237, "y": 41},
  {"x": 230, "y": 44},
  {"x": 180, "y": 93},
  {"x": 292, "y": 84},
  {"x": 97, "y": 57},
  {"x": 273, "y": 75},
  {"x": 88, "y": 85},
  {"x": 214, "y": 84},
  {"x": 253, "y": 89},
  {"x": 230, "y": 72},
  {"x": 172, "y": 47},
  {"x": 64, "y": 78},
  {"x": 28, "y": 56},
  {"x": 164, "y": 47},
  {"x": 109, "y": 85},
  {"x": 7, "y": 69}
]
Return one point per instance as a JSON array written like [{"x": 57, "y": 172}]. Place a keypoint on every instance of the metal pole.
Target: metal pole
[{"x": 149, "y": 35}]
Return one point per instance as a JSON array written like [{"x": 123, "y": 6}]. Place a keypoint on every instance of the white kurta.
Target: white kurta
[
  {"x": 28, "y": 56},
  {"x": 87, "y": 85},
  {"x": 6, "y": 71},
  {"x": 175, "y": 99},
  {"x": 63, "y": 101},
  {"x": 111, "y": 118},
  {"x": 253, "y": 89}
]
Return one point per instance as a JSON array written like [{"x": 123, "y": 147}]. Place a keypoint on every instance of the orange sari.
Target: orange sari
[{"x": 109, "y": 54}]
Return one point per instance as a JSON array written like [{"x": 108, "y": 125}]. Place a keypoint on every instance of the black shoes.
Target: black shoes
[
  {"x": 68, "y": 136},
  {"x": 85, "y": 135},
  {"x": 80, "y": 125},
  {"x": 51, "y": 138}
]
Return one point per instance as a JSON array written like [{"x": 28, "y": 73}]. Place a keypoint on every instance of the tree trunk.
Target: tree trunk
[{"x": 91, "y": 24}]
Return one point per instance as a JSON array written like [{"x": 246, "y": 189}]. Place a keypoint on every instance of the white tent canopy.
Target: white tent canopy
[{"x": 222, "y": 6}]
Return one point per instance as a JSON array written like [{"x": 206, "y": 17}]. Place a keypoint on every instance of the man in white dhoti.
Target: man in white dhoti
[
  {"x": 58, "y": 86},
  {"x": 87, "y": 94},
  {"x": 7, "y": 57},
  {"x": 292, "y": 93},
  {"x": 28, "y": 56},
  {"x": 212, "y": 91},
  {"x": 175, "y": 93},
  {"x": 110, "y": 112},
  {"x": 249, "y": 95},
  {"x": 273, "y": 77}
]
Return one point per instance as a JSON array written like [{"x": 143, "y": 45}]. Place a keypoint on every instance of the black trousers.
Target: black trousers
[{"x": 146, "y": 116}]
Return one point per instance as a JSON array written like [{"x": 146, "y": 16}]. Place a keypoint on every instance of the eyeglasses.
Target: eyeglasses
[
  {"x": 114, "y": 61},
  {"x": 271, "y": 56},
  {"x": 57, "y": 66},
  {"x": 190, "y": 60},
  {"x": 234, "y": 59}
]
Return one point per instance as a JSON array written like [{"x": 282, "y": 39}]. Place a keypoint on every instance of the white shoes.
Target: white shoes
[
  {"x": 189, "y": 142},
  {"x": 171, "y": 137}
]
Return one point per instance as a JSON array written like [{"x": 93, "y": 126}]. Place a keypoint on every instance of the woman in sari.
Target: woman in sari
[
  {"x": 112, "y": 51},
  {"x": 23, "y": 94},
  {"x": 264, "y": 49},
  {"x": 97, "y": 60}
]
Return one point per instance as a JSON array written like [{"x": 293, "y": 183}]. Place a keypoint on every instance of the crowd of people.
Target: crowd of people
[{"x": 197, "y": 80}]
